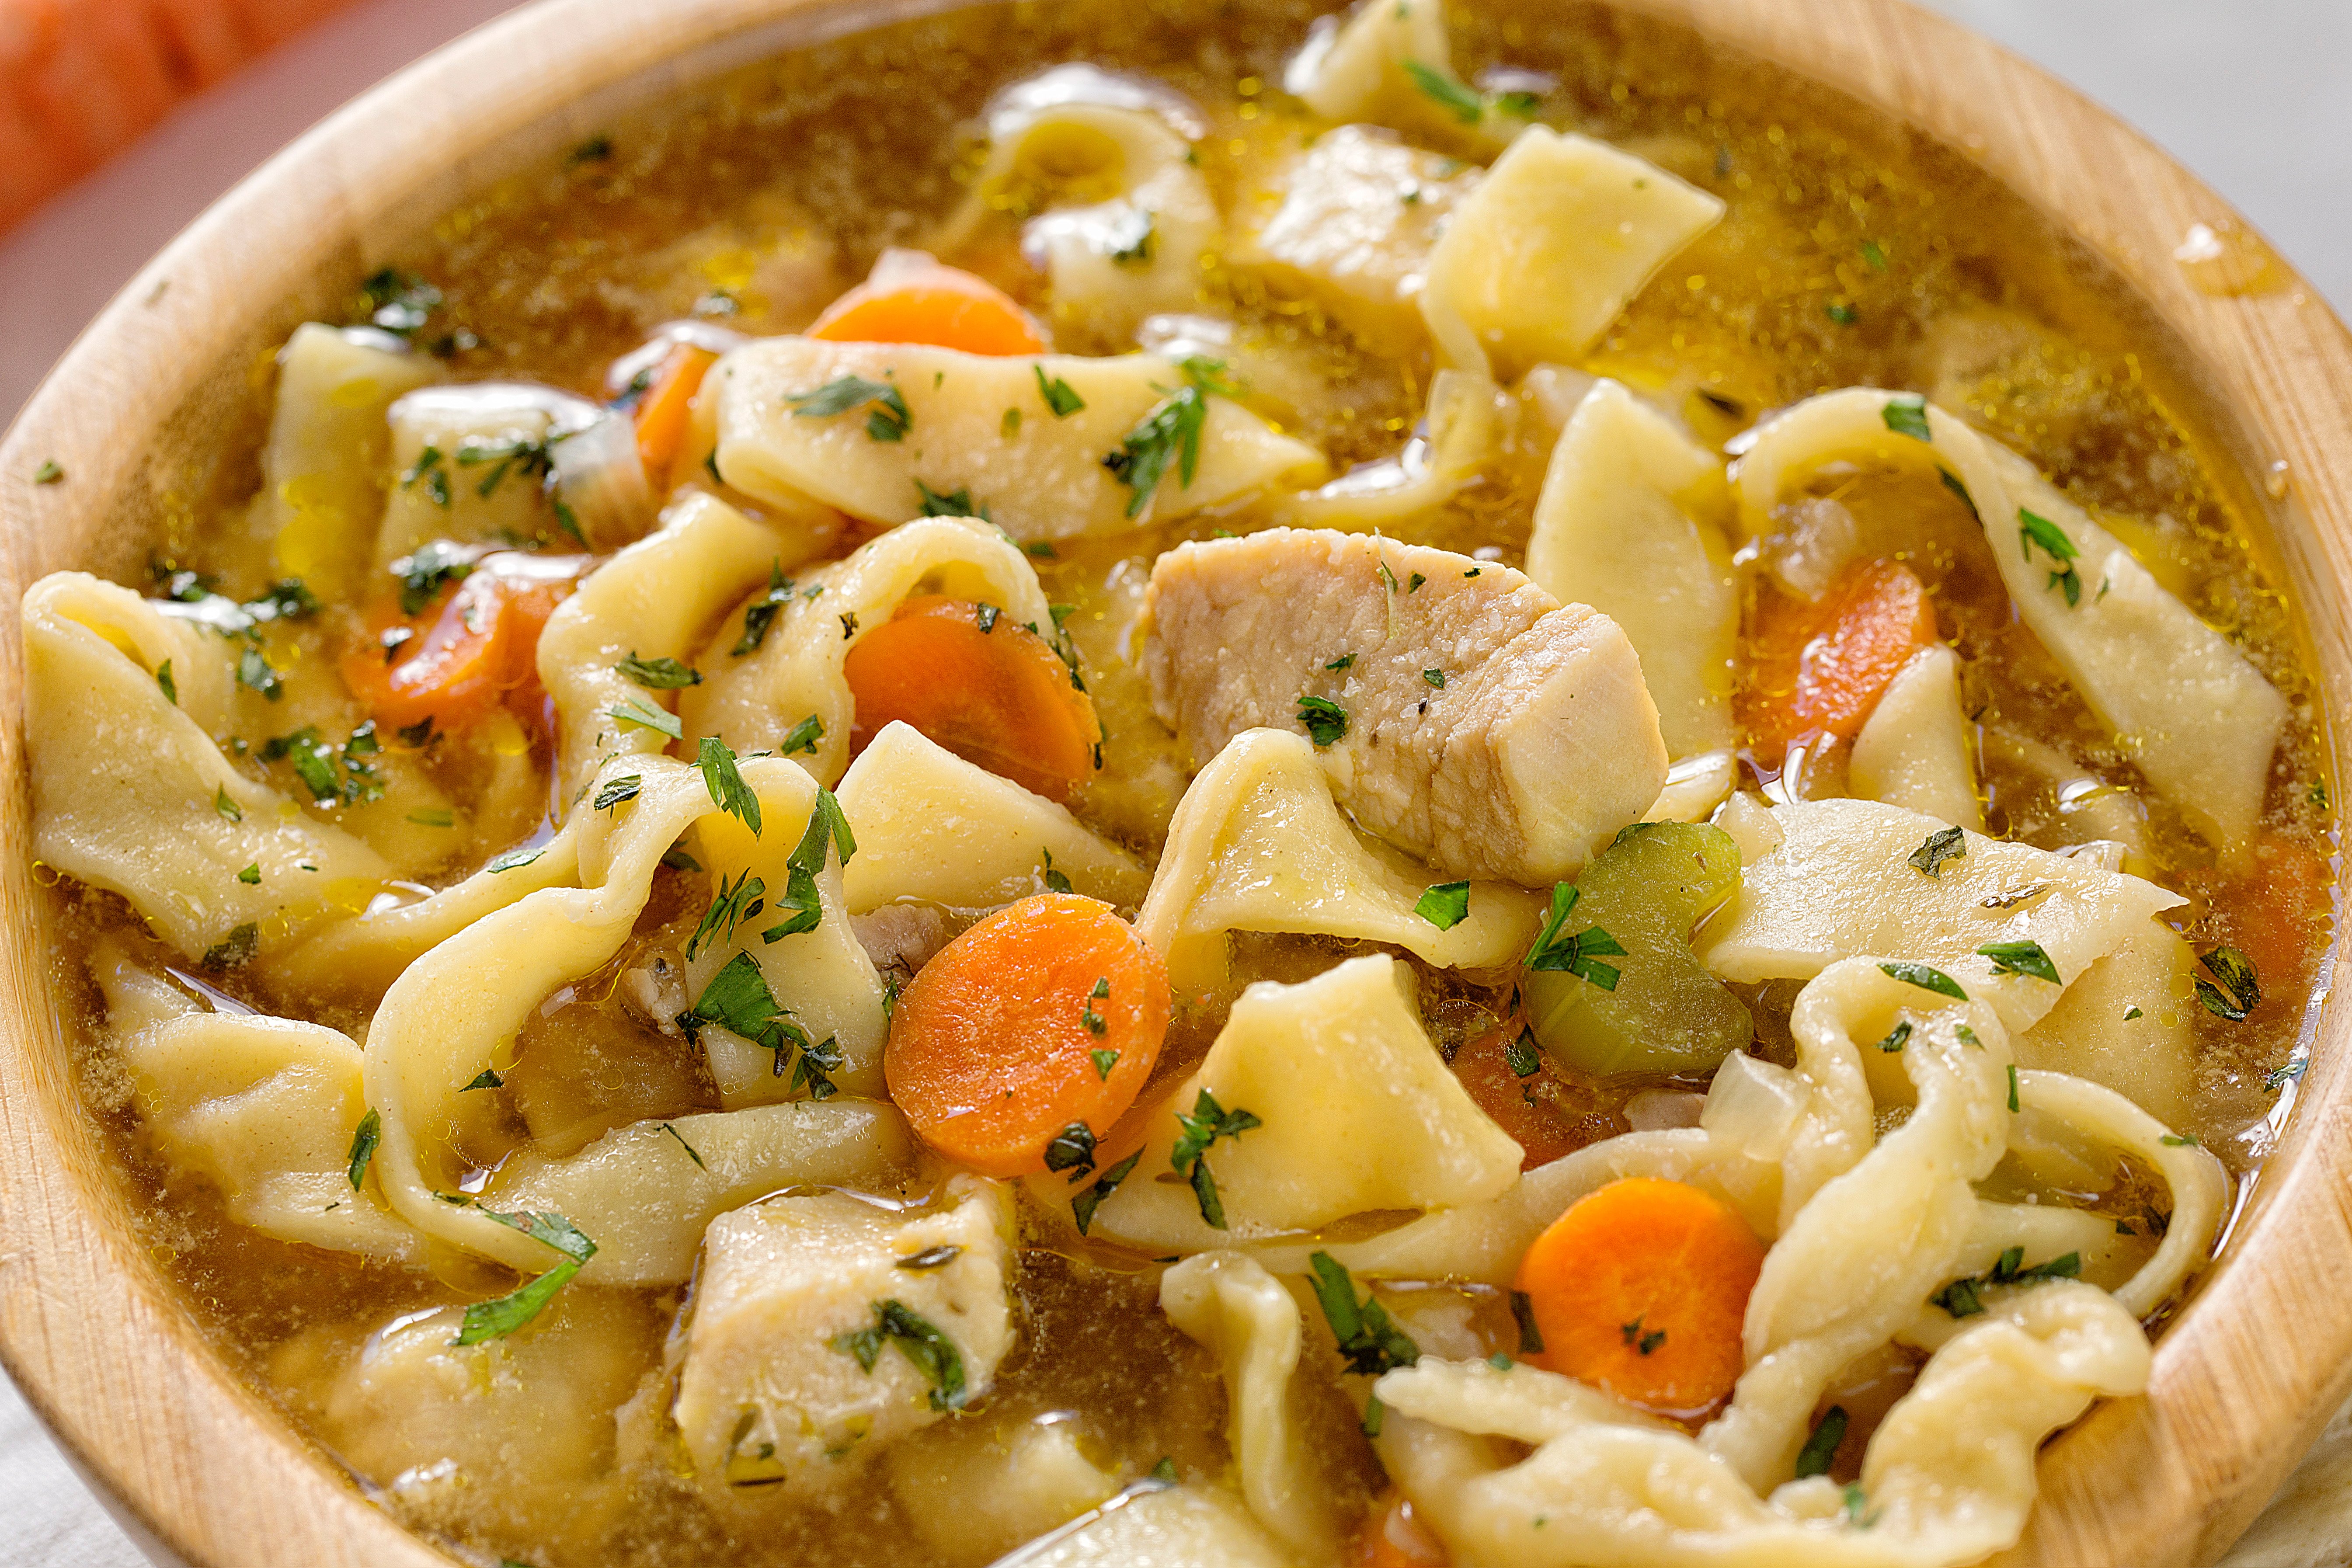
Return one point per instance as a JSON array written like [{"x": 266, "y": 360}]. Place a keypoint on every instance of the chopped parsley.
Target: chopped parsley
[
  {"x": 48, "y": 473},
  {"x": 251, "y": 875},
  {"x": 496, "y": 1319},
  {"x": 1056, "y": 881},
  {"x": 956, "y": 502},
  {"x": 1171, "y": 431},
  {"x": 236, "y": 950},
  {"x": 364, "y": 1138},
  {"x": 728, "y": 792},
  {"x": 890, "y": 420},
  {"x": 1962, "y": 1297},
  {"x": 1083, "y": 1206},
  {"x": 2040, "y": 532},
  {"x": 1952, "y": 483},
  {"x": 1448, "y": 94},
  {"x": 2012, "y": 1087},
  {"x": 1446, "y": 905},
  {"x": 163, "y": 681},
  {"x": 1905, "y": 414},
  {"x": 628, "y": 787},
  {"x": 1523, "y": 1309},
  {"x": 1059, "y": 395},
  {"x": 2175, "y": 1141},
  {"x": 516, "y": 859},
  {"x": 1414, "y": 585},
  {"x": 1923, "y": 977},
  {"x": 738, "y": 1000},
  {"x": 2021, "y": 958},
  {"x": 1209, "y": 376},
  {"x": 657, "y": 674},
  {"x": 938, "y": 1255},
  {"x": 1896, "y": 1037},
  {"x": 524, "y": 456},
  {"x": 2238, "y": 992},
  {"x": 1555, "y": 954},
  {"x": 1875, "y": 255},
  {"x": 1521, "y": 1055},
  {"x": 1370, "y": 1342},
  {"x": 827, "y": 826},
  {"x": 1073, "y": 1150},
  {"x": 399, "y": 302},
  {"x": 1097, "y": 1025},
  {"x": 1813, "y": 1459},
  {"x": 687, "y": 1146},
  {"x": 1843, "y": 314},
  {"x": 1949, "y": 844},
  {"x": 1325, "y": 719},
  {"x": 436, "y": 817},
  {"x": 1104, "y": 1060},
  {"x": 735, "y": 902},
  {"x": 760, "y": 612},
  {"x": 486, "y": 1078},
  {"x": 1208, "y": 1122},
  {"x": 333, "y": 774},
  {"x": 640, "y": 715},
  {"x": 1644, "y": 1341},
  {"x": 1164, "y": 1472},
  {"x": 932, "y": 1352},
  {"x": 225, "y": 807},
  {"x": 1435, "y": 678},
  {"x": 255, "y": 671},
  {"x": 802, "y": 737},
  {"x": 2280, "y": 1078},
  {"x": 423, "y": 572},
  {"x": 1345, "y": 661}
]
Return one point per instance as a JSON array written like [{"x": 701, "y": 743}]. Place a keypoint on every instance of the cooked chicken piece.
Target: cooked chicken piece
[
  {"x": 1461, "y": 711},
  {"x": 825, "y": 1326}
]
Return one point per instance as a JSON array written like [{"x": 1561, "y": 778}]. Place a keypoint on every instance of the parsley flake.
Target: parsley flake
[
  {"x": 1325, "y": 719},
  {"x": 2021, "y": 958},
  {"x": 1448, "y": 94},
  {"x": 890, "y": 420},
  {"x": 2239, "y": 992},
  {"x": 760, "y": 612},
  {"x": 1446, "y": 905},
  {"x": 725, "y": 782},
  {"x": 1813, "y": 1459},
  {"x": 225, "y": 807},
  {"x": 1083, "y": 1206},
  {"x": 1949, "y": 844},
  {"x": 1171, "y": 431},
  {"x": 2052, "y": 540},
  {"x": 497, "y": 1319},
  {"x": 1905, "y": 414},
  {"x": 1208, "y": 1122},
  {"x": 931, "y": 1352},
  {"x": 657, "y": 674},
  {"x": 640, "y": 715},
  {"x": 628, "y": 787},
  {"x": 1369, "y": 1340},
  {"x": 364, "y": 1138},
  {"x": 1554, "y": 953},
  {"x": 1923, "y": 977},
  {"x": 1059, "y": 395}
]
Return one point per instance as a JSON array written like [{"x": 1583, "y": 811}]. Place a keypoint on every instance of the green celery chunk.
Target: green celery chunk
[{"x": 1649, "y": 889}]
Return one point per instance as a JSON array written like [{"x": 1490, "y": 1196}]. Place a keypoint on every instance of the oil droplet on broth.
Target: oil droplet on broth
[{"x": 2224, "y": 260}]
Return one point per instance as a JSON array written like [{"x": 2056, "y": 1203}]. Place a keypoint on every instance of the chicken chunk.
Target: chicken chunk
[
  {"x": 1460, "y": 711},
  {"x": 825, "y": 1327}
]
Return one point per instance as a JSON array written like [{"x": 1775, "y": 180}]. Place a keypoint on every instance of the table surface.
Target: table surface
[{"x": 2253, "y": 95}]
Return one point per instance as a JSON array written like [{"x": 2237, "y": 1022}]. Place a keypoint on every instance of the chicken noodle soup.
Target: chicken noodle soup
[{"x": 1086, "y": 784}]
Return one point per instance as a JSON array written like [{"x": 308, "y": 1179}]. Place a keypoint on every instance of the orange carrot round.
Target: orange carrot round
[
  {"x": 1020, "y": 1044},
  {"x": 664, "y": 411},
  {"x": 994, "y": 693},
  {"x": 912, "y": 299},
  {"x": 474, "y": 646},
  {"x": 1641, "y": 1289},
  {"x": 1393, "y": 1536},
  {"x": 1820, "y": 668}
]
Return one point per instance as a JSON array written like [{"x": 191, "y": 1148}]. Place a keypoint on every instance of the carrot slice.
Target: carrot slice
[
  {"x": 994, "y": 693},
  {"x": 1820, "y": 668},
  {"x": 911, "y": 298},
  {"x": 1641, "y": 1289},
  {"x": 476, "y": 644},
  {"x": 1017, "y": 1049},
  {"x": 664, "y": 412}
]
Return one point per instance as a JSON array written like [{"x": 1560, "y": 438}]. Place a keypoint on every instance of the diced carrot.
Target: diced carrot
[
  {"x": 994, "y": 693},
  {"x": 2272, "y": 907},
  {"x": 1393, "y": 1536},
  {"x": 475, "y": 645},
  {"x": 911, "y": 298},
  {"x": 1816, "y": 670},
  {"x": 1018, "y": 1048},
  {"x": 1530, "y": 1107},
  {"x": 664, "y": 411},
  {"x": 1641, "y": 1289}
]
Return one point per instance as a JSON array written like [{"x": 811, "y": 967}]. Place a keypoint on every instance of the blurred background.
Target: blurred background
[{"x": 121, "y": 119}]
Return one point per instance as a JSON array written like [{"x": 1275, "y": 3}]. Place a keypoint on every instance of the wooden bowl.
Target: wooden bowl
[{"x": 201, "y": 1468}]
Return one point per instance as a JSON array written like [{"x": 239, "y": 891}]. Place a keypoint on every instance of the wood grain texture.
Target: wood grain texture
[{"x": 2242, "y": 1379}]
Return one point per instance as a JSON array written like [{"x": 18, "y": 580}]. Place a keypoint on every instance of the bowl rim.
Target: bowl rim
[{"x": 173, "y": 1441}]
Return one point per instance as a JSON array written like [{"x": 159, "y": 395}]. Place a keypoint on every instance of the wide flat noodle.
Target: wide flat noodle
[
  {"x": 455, "y": 1011},
  {"x": 1839, "y": 881},
  {"x": 753, "y": 700},
  {"x": 1040, "y": 478},
  {"x": 1110, "y": 263},
  {"x": 1373, "y": 65},
  {"x": 2200, "y": 721},
  {"x": 1258, "y": 844},
  {"x": 1629, "y": 521},
  {"x": 1359, "y": 1115},
  {"x": 1914, "y": 750},
  {"x": 324, "y": 467},
  {"x": 1227, "y": 1302},
  {"x": 468, "y": 462},
  {"x": 657, "y": 599},
  {"x": 1541, "y": 257},
  {"x": 127, "y": 783},
  {"x": 934, "y": 827}
]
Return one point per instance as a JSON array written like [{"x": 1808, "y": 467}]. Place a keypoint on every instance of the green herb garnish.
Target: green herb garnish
[
  {"x": 1369, "y": 1340},
  {"x": 1923, "y": 977},
  {"x": 1446, "y": 905},
  {"x": 1577, "y": 954}
]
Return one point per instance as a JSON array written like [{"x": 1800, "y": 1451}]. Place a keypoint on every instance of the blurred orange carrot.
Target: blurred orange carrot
[
  {"x": 911, "y": 298},
  {"x": 1820, "y": 668},
  {"x": 664, "y": 411}
]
